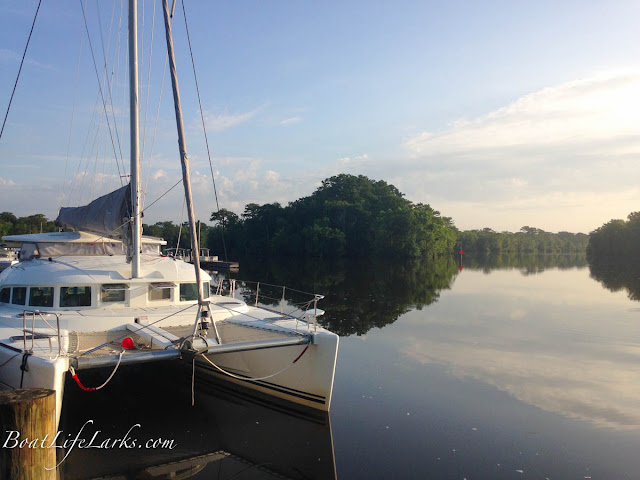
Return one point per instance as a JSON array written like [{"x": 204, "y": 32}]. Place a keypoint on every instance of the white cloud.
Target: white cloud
[
  {"x": 46, "y": 200},
  {"x": 217, "y": 122},
  {"x": 159, "y": 174},
  {"x": 518, "y": 182},
  {"x": 356, "y": 165},
  {"x": 579, "y": 114},
  {"x": 239, "y": 181},
  {"x": 291, "y": 120},
  {"x": 562, "y": 154},
  {"x": 359, "y": 159},
  {"x": 553, "y": 211},
  {"x": 562, "y": 158},
  {"x": 9, "y": 56},
  {"x": 247, "y": 181}
]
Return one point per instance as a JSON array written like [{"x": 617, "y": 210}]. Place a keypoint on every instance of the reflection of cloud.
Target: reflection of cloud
[
  {"x": 598, "y": 390},
  {"x": 550, "y": 343}
]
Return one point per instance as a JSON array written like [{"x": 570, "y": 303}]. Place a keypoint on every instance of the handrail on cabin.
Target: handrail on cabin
[
  {"x": 308, "y": 307},
  {"x": 42, "y": 316}
]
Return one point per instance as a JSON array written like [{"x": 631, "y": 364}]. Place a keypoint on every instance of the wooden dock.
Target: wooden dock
[
  {"x": 208, "y": 262},
  {"x": 212, "y": 263},
  {"x": 28, "y": 422}
]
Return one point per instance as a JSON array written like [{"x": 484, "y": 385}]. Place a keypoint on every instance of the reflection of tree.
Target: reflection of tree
[
  {"x": 359, "y": 295},
  {"x": 527, "y": 264},
  {"x": 617, "y": 274}
]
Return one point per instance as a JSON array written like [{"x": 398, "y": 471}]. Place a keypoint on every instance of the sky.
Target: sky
[{"x": 497, "y": 114}]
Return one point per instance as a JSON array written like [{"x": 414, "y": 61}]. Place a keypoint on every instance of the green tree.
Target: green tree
[
  {"x": 527, "y": 240},
  {"x": 616, "y": 238},
  {"x": 225, "y": 218}
]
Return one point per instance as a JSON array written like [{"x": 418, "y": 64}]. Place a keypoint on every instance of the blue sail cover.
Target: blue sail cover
[{"x": 104, "y": 216}]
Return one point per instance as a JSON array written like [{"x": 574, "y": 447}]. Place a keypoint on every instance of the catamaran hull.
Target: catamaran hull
[
  {"x": 304, "y": 372},
  {"x": 33, "y": 372},
  {"x": 308, "y": 381}
]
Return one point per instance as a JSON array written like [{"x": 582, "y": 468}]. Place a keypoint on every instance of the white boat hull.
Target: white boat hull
[
  {"x": 308, "y": 381},
  {"x": 39, "y": 373},
  {"x": 304, "y": 373}
]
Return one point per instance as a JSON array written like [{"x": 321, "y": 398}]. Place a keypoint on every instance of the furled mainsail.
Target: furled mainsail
[{"x": 106, "y": 215}]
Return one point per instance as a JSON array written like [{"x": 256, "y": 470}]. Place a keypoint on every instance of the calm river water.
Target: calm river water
[{"x": 509, "y": 368}]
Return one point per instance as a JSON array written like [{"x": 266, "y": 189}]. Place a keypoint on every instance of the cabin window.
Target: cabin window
[
  {"x": 160, "y": 291},
  {"x": 75, "y": 296},
  {"x": 205, "y": 290},
  {"x": 188, "y": 291},
  {"x": 5, "y": 295},
  {"x": 113, "y": 292},
  {"x": 19, "y": 295},
  {"x": 41, "y": 297}
]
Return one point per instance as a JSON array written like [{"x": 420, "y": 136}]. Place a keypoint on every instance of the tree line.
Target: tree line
[
  {"x": 527, "y": 240},
  {"x": 12, "y": 225},
  {"x": 616, "y": 238},
  {"x": 347, "y": 216}
]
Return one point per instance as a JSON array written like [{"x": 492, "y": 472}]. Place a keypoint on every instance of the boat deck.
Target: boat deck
[{"x": 97, "y": 349}]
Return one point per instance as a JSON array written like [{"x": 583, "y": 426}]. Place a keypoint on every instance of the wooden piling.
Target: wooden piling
[{"x": 27, "y": 432}]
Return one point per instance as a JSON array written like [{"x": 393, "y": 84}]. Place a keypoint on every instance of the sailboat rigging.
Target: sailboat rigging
[{"x": 184, "y": 160}]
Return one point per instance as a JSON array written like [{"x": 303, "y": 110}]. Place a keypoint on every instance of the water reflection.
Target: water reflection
[
  {"x": 365, "y": 294},
  {"x": 229, "y": 433},
  {"x": 618, "y": 274},
  {"x": 536, "y": 327},
  {"x": 360, "y": 295},
  {"x": 526, "y": 264},
  {"x": 513, "y": 362},
  {"x": 556, "y": 341}
]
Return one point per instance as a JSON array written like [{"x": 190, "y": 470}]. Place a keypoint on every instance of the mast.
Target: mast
[
  {"x": 186, "y": 181},
  {"x": 136, "y": 227}
]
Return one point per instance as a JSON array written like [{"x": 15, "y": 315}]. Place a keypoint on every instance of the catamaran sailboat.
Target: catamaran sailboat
[{"x": 103, "y": 296}]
